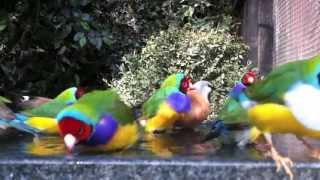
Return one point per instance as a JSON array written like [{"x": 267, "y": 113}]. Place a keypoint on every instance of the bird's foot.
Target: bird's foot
[
  {"x": 262, "y": 147},
  {"x": 315, "y": 153},
  {"x": 282, "y": 162}
]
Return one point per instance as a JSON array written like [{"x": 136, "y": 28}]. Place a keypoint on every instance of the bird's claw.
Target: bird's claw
[
  {"x": 315, "y": 153},
  {"x": 283, "y": 162}
]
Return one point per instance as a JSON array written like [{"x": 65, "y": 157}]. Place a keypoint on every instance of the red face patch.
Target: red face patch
[
  {"x": 80, "y": 92},
  {"x": 185, "y": 83},
  {"x": 78, "y": 129},
  {"x": 249, "y": 78}
]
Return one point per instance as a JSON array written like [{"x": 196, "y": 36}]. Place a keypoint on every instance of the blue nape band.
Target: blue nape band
[{"x": 179, "y": 102}]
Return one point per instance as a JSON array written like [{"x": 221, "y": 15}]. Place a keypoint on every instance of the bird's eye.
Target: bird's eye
[
  {"x": 184, "y": 86},
  {"x": 80, "y": 92},
  {"x": 318, "y": 76},
  {"x": 80, "y": 131}
]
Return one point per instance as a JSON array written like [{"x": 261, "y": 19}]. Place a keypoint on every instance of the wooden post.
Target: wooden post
[
  {"x": 265, "y": 36},
  {"x": 249, "y": 29},
  {"x": 257, "y": 31}
]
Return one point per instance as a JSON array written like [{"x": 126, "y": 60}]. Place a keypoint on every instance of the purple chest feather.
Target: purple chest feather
[
  {"x": 104, "y": 130},
  {"x": 179, "y": 102},
  {"x": 237, "y": 89}
]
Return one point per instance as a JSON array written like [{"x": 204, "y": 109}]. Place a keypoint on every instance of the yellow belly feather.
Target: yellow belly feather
[
  {"x": 124, "y": 137},
  {"x": 44, "y": 124},
  {"x": 164, "y": 119},
  {"x": 276, "y": 118}
]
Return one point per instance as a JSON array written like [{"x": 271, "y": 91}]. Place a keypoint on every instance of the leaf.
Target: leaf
[
  {"x": 85, "y": 25},
  {"x": 77, "y": 79},
  {"x": 84, "y": 2},
  {"x": 5, "y": 100},
  {"x": 86, "y": 17},
  {"x": 65, "y": 32},
  {"x": 3, "y": 27},
  {"x": 78, "y": 36},
  {"x": 83, "y": 41},
  {"x": 3, "y": 23},
  {"x": 95, "y": 38},
  {"x": 73, "y": 3},
  {"x": 189, "y": 12},
  {"x": 107, "y": 41}
]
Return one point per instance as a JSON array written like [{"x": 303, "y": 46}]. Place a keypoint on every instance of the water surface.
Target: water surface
[{"x": 185, "y": 144}]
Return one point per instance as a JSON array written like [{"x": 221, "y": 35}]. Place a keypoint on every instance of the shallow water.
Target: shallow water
[{"x": 181, "y": 144}]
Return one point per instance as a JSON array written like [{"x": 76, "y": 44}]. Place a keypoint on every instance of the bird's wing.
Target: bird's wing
[
  {"x": 151, "y": 106},
  {"x": 273, "y": 87}
]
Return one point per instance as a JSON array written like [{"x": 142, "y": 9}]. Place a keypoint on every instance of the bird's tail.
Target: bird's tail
[
  {"x": 247, "y": 136},
  {"x": 243, "y": 135},
  {"x": 19, "y": 124},
  {"x": 218, "y": 129}
]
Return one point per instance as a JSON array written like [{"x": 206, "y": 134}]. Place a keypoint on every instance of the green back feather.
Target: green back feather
[
  {"x": 52, "y": 108},
  {"x": 97, "y": 103},
  {"x": 271, "y": 89},
  {"x": 233, "y": 113},
  {"x": 67, "y": 95},
  {"x": 274, "y": 85},
  {"x": 169, "y": 85},
  {"x": 172, "y": 80},
  {"x": 151, "y": 106}
]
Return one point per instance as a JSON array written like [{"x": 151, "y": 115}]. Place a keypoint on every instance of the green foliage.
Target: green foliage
[
  {"x": 47, "y": 46},
  {"x": 4, "y": 100},
  {"x": 209, "y": 54}
]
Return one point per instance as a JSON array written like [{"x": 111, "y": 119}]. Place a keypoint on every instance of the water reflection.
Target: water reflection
[
  {"x": 46, "y": 146},
  {"x": 186, "y": 142},
  {"x": 164, "y": 145},
  {"x": 181, "y": 144}
]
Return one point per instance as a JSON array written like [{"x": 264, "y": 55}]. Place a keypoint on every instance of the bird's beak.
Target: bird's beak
[
  {"x": 251, "y": 80},
  {"x": 70, "y": 141},
  {"x": 191, "y": 87}
]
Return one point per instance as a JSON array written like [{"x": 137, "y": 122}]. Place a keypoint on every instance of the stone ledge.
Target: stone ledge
[{"x": 110, "y": 168}]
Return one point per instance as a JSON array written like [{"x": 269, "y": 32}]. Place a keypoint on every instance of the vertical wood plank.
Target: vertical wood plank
[{"x": 265, "y": 36}]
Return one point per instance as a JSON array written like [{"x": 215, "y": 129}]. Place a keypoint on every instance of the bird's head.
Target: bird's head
[
  {"x": 203, "y": 87},
  {"x": 185, "y": 84},
  {"x": 76, "y": 128},
  {"x": 70, "y": 95},
  {"x": 249, "y": 78},
  {"x": 80, "y": 91},
  {"x": 74, "y": 131}
]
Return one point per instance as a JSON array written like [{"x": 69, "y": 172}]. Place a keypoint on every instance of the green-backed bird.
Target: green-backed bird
[
  {"x": 100, "y": 119},
  {"x": 166, "y": 105},
  {"x": 199, "y": 105},
  {"x": 233, "y": 116},
  {"x": 285, "y": 101},
  {"x": 41, "y": 119}
]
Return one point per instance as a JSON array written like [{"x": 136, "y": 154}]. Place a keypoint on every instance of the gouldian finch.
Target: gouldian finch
[
  {"x": 285, "y": 101},
  {"x": 100, "y": 119},
  {"x": 167, "y": 104},
  {"x": 5, "y": 113},
  {"x": 233, "y": 115},
  {"x": 41, "y": 119},
  {"x": 199, "y": 105}
]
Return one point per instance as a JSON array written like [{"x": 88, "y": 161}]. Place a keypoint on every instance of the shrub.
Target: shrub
[{"x": 210, "y": 54}]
